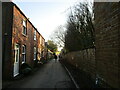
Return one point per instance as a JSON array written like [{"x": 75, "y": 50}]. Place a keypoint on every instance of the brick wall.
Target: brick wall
[
  {"x": 13, "y": 33},
  {"x": 107, "y": 41},
  {"x": 84, "y": 60},
  {"x": 18, "y": 37},
  {"x": 27, "y": 40},
  {"x": 119, "y": 45},
  {"x": 38, "y": 45},
  {"x": 103, "y": 62}
]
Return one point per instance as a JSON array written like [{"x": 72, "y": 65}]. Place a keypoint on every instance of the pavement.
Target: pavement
[{"x": 50, "y": 75}]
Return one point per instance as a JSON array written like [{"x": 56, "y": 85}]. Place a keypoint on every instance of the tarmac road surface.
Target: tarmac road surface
[{"x": 51, "y": 75}]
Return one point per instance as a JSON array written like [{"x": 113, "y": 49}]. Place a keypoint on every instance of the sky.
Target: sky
[{"x": 46, "y": 15}]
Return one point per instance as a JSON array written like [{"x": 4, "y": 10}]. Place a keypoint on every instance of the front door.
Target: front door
[{"x": 16, "y": 62}]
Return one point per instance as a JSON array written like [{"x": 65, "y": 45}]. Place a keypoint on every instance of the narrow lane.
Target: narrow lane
[{"x": 51, "y": 75}]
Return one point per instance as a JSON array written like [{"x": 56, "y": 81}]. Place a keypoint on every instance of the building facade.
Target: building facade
[{"x": 21, "y": 41}]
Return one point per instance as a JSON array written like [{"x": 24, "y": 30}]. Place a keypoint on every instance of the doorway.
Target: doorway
[{"x": 16, "y": 61}]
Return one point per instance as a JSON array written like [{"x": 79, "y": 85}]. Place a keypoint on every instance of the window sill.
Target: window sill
[
  {"x": 23, "y": 62},
  {"x": 24, "y": 35}
]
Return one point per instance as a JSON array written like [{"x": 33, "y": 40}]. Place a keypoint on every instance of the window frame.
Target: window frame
[
  {"x": 40, "y": 40},
  {"x": 24, "y": 23},
  {"x": 35, "y": 52},
  {"x": 35, "y": 35},
  {"x": 23, "y": 53}
]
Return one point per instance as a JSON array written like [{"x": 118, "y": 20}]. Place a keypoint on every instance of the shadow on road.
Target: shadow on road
[{"x": 50, "y": 75}]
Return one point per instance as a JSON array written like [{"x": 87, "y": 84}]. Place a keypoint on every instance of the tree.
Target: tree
[
  {"x": 80, "y": 30},
  {"x": 51, "y": 46},
  {"x": 58, "y": 36}
]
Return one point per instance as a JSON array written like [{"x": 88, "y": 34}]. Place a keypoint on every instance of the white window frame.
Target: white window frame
[
  {"x": 34, "y": 34},
  {"x": 34, "y": 53},
  {"x": 40, "y": 40},
  {"x": 24, "y": 26},
  {"x": 43, "y": 43},
  {"x": 23, "y": 53}
]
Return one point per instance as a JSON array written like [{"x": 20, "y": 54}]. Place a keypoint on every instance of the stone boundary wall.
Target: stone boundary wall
[
  {"x": 103, "y": 62},
  {"x": 84, "y": 60}
]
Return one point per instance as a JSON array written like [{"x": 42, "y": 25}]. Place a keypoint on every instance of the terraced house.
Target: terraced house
[{"x": 21, "y": 41}]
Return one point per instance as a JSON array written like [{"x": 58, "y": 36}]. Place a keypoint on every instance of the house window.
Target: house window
[
  {"x": 34, "y": 34},
  {"x": 43, "y": 43},
  {"x": 40, "y": 40},
  {"x": 23, "y": 53},
  {"x": 34, "y": 53},
  {"x": 24, "y": 27}
]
